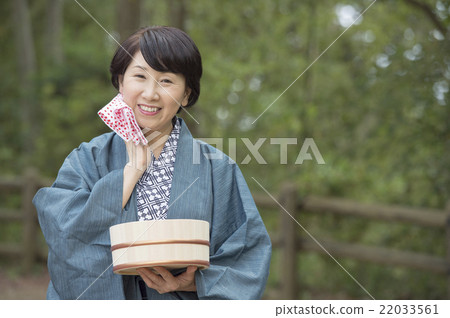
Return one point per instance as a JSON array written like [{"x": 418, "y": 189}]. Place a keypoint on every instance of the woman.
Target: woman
[{"x": 108, "y": 181}]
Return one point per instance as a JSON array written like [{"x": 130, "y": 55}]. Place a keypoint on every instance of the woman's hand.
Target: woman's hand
[
  {"x": 139, "y": 158},
  {"x": 165, "y": 282}
]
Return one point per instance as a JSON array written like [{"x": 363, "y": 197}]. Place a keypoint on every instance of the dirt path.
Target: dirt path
[{"x": 15, "y": 286}]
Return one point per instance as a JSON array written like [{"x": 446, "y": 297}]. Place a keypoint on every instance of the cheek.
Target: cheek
[
  {"x": 125, "y": 88},
  {"x": 128, "y": 91}
]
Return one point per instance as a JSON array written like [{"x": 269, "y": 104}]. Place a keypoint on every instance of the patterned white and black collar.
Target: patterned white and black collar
[{"x": 153, "y": 189}]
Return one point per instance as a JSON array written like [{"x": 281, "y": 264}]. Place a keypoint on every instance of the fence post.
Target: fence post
[
  {"x": 447, "y": 239},
  {"x": 289, "y": 230},
  {"x": 29, "y": 186}
]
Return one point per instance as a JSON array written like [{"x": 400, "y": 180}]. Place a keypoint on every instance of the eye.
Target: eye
[
  {"x": 166, "y": 81},
  {"x": 139, "y": 76}
]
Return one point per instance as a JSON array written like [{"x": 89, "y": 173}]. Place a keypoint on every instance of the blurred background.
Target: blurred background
[{"x": 376, "y": 104}]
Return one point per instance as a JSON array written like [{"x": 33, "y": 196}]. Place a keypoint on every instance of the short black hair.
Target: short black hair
[{"x": 165, "y": 49}]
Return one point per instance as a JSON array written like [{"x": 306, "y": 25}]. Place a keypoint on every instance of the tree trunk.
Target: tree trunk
[
  {"x": 52, "y": 41},
  {"x": 177, "y": 14},
  {"x": 128, "y": 17},
  {"x": 26, "y": 62},
  {"x": 177, "y": 11},
  {"x": 311, "y": 52}
]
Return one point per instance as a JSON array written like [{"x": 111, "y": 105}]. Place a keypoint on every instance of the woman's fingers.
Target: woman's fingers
[
  {"x": 162, "y": 284},
  {"x": 165, "y": 274},
  {"x": 191, "y": 269},
  {"x": 139, "y": 156},
  {"x": 170, "y": 283},
  {"x": 151, "y": 279},
  {"x": 187, "y": 279},
  {"x": 164, "y": 281}
]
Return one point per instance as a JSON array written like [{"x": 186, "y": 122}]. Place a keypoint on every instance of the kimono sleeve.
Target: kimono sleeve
[
  {"x": 75, "y": 215},
  {"x": 240, "y": 245}
]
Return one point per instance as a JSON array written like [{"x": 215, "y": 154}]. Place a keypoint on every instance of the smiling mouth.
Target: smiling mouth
[{"x": 149, "y": 109}]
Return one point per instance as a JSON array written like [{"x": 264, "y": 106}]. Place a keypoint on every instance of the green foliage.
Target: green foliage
[{"x": 376, "y": 104}]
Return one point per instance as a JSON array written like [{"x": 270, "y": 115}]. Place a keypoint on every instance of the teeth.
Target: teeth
[{"x": 149, "y": 109}]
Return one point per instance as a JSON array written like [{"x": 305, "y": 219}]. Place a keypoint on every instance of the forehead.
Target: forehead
[{"x": 138, "y": 60}]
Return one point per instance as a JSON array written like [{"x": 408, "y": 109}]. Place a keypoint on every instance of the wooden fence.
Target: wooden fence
[
  {"x": 292, "y": 238},
  {"x": 28, "y": 249}
]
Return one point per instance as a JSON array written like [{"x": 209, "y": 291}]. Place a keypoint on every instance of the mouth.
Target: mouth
[{"x": 149, "y": 109}]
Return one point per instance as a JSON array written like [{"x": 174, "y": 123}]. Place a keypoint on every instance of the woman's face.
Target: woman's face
[{"x": 155, "y": 97}]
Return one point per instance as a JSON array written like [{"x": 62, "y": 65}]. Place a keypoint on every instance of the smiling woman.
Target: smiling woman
[
  {"x": 164, "y": 50},
  {"x": 155, "y": 97},
  {"x": 119, "y": 177}
]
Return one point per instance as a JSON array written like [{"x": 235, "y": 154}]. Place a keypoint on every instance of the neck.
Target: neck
[{"x": 157, "y": 139}]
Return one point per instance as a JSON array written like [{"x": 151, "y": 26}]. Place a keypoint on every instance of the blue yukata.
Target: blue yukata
[{"x": 76, "y": 212}]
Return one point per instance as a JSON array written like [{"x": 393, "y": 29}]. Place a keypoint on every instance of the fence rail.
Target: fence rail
[
  {"x": 28, "y": 249},
  {"x": 288, "y": 238},
  {"x": 292, "y": 239}
]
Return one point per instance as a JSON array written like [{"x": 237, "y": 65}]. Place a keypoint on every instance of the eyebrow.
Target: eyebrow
[
  {"x": 146, "y": 69},
  {"x": 141, "y": 67}
]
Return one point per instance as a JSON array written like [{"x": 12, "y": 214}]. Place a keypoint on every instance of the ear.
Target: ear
[
  {"x": 120, "y": 78},
  {"x": 185, "y": 100}
]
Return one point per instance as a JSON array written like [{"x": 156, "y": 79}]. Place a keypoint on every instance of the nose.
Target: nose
[{"x": 151, "y": 90}]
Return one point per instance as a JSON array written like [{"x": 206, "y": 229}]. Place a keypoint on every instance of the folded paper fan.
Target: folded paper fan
[{"x": 173, "y": 244}]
